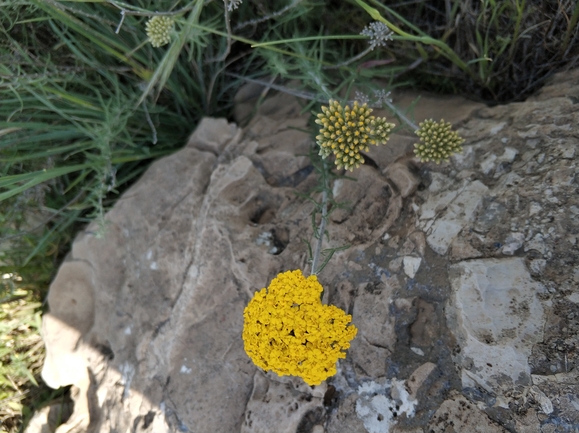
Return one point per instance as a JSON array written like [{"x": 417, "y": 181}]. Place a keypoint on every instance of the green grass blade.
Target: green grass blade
[{"x": 34, "y": 179}]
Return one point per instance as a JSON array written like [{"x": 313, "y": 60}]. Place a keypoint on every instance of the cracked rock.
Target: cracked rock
[
  {"x": 464, "y": 291},
  {"x": 497, "y": 318}
]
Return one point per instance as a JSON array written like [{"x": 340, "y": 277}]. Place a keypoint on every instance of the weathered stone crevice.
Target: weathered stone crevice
[{"x": 461, "y": 279}]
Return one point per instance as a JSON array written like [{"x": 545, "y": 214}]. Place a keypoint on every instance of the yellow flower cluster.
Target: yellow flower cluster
[
  {"x": 159, "y": 30},
  {"x": 437, "y": 141},
  {"x": 345, "y": 132},
  {"x": 289, "y": 331}
]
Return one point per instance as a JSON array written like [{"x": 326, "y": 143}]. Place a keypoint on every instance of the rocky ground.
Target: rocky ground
[{"x": 462, "y": 279}]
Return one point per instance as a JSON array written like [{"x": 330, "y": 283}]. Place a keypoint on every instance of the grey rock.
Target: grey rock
[
  {"x": 460, "y": 415},
  {"x": 497, "y": 318},
  {"x": 445, "y": 213},
  {"x": 145, "y": 323},
  {"x": 411, "y": 265},
  {"x": 537, "y": 243},
  {"x": 280, "y": 404},
  {"x": 513, "y": 242},
  {"x": 379, "y": 405},
  {"x": 403, "y": 178},
  {"x": 489, "y": 215}
]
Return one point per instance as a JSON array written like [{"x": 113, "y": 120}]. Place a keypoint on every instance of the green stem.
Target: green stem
[
  {"x": 402, "y": 117},
  {"x": 323, "y": 222},
  {"x": 321, "y": 230},
  {"x": 570, "y": 28},
  {"x": 520, "y": 10},
  {"x": 306, "y": 39},
  {"x": 259, "y": 45}
]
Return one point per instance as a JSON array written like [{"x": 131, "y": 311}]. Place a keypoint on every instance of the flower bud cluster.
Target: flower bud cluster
[
  {"x": 437, "y": 141},
  {"x": 159, "y": 30},
  {"x": 347, "y": 131}
]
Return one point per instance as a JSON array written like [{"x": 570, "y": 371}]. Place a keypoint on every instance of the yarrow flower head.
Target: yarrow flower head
[
  {"x": 379, "y": 34},
  {"x": 437, "y": 141},
  {"x": 289, "y": 331},
  {"x": 159, "y": 30},
  {"x": 347, "y": 131}
]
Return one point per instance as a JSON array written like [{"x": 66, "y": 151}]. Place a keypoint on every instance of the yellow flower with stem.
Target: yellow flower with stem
[{"x": 288, "y": 330}]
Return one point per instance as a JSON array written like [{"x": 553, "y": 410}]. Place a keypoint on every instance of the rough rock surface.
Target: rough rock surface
[{"x": 462, "y": 279}]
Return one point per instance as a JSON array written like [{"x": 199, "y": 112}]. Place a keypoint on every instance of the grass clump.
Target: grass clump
[
  {"x": 21, "y": 357},
  {"x": 507, "y": 49}
]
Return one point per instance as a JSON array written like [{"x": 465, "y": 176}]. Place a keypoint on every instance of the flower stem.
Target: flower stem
[
  {"x": 401, "y": 115},
  {"x": 321, "y": 231}
]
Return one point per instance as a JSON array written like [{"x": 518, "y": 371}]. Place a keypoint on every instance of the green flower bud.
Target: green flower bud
[
  {"x": 437, "y": 141},
  {"x": 354, "y": 130},
  {"x": 159, "y": 30}
]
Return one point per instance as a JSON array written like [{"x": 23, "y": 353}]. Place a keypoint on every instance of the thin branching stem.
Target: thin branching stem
[
  {"x": 321, "y": 231},
  {"x": 323, "y": 222},
  {"x": 312, "y": 97},
  {"x": 123, "y": 14},
  {"x": 270, "y": 85},
  {"x": 143, "y": 13},
  {"x": 401, "y": 115},
  {"x": 151, "y": 124},
  {"x": 223, "y": 56},
  {"x": 351, "y": 60},
  {"x": 268, "y": 17}
]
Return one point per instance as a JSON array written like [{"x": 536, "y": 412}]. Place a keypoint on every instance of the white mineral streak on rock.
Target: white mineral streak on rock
[
  {"x": 185, "y": 370},
  {"x": 567, "y": 150},
  {"x": 377, "y": 410},
  {"x": 418, "y": 351},
  {"x": 497, "y": 318},
  {"x": 535, "y": 208},
  {"x": 264, "y": 238},
  {"x": 513, "y": 242},
  {"x": 411, "y": 265},
  {"x": 445, "y": 213},
  {"x": 542, "y": 399},
  {"x": 537, "y": 243},
  {"x": 508, "y": 155},
  {"x": 465, "y": 159},
  {"x": 537, "y": 266},
  {"x": 496, "y": 129},
  {"x": 488, "y": 164},
  {"x": 127, "y": 373}
]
